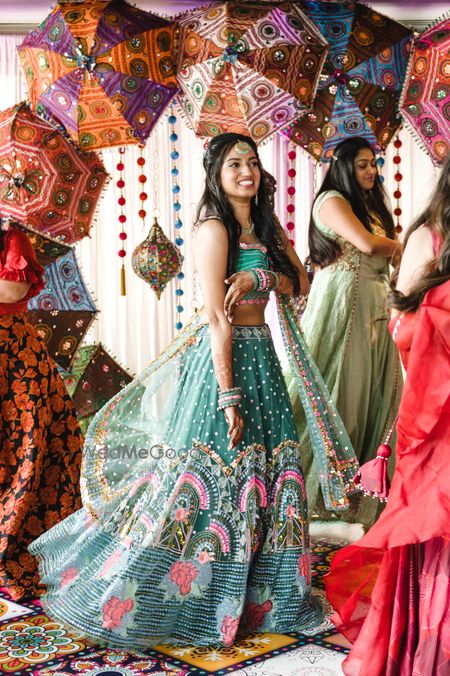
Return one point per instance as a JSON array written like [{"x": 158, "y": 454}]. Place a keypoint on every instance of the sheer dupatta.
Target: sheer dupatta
[{"x": 332, "y": 448}]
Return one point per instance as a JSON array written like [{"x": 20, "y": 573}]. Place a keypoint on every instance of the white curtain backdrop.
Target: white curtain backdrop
[{"x": 136, "y": 327}]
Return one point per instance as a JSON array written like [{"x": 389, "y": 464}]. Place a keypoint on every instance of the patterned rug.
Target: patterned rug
[{"x": 32, "y": 643}]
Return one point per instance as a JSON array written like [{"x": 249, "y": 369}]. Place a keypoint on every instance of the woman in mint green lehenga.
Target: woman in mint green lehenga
[
  {"x": 345, "y": 324},
  {"x": 194, "y": 519}
]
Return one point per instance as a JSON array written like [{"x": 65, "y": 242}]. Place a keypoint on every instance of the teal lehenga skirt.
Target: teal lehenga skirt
[{"x": 182, "y": 540}]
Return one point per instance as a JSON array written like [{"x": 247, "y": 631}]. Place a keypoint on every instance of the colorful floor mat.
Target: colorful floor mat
[{"x": 32, "y": 643}]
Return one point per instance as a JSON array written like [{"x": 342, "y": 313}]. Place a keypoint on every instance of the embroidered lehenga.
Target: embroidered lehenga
[
  {"x": 180, "y": 539},
  {"x": 345, "y": 326}
]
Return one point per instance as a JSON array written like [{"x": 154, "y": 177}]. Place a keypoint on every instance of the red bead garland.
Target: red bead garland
[
  {"x": 142, "y": 178},
  {"x": 122, "y": 220},
  {"x": 398, "y": 177},
  {"x": 290, "y": 208}
]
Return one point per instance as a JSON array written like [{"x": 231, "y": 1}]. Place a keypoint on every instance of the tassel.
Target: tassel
[
  {"x": 372, "y": 477},
  {"x": 123, "y": 286}
]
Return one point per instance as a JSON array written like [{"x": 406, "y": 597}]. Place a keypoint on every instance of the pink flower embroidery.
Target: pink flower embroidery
[
  {"x": 290, "y": 511},
  {"x": 205, "y": 557},
  {"x": 229, "y": 628},
  {"x": 68, "y": 575},
  {"x": 181, "y": 514},
  {"x": 114, "y": 610},
  {"x": 183, "y": 573},
  {"x": 255, "y": 614}
]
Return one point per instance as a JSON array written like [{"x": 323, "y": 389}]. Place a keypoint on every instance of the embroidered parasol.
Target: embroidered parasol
[
  {"x": 44, "y": 180},
  {"x": 94, "y": 378},
  {"x": 64, "y": 310},
  {"x": 103, "y": 68},
  {"x": 361, "y": 80},
  {"x": 247, "y": 67},
  {"x": 426, "y": 99}
]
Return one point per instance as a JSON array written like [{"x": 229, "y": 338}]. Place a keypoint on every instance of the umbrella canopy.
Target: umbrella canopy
[
  {"x": 361, "y": 81},
  {"x": 104, "y": 69},
  {"x": 63, "y": 311},
  {"x": 247, "y": 67},
  {"x": 426, "y": 99},
  {"x": 95, "y": 377},
  {"x": 44, "y": 180}
]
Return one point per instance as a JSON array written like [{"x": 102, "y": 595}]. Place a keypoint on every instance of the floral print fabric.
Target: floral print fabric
[{"x": 40, "y": 452}]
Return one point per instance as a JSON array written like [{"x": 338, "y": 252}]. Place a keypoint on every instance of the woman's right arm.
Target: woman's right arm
[
  {"x": 418, "y": 254},
  {"x": 12, "y": 292},
  {"x": 337, "y": 215},
  {"x": 211, "y": 253}
]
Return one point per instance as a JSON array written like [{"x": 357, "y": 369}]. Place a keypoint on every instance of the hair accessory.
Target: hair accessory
[
  {"x": 335, "y": 157},
  {"x": 228, "y": 398},
  {"x": 242, "y": 147}
]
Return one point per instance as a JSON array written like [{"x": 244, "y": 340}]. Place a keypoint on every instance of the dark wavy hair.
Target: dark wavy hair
[
  {"x": 341, "y": 177},
  {"x": 215, "y": 204},
  {"x": 436, "y": 216}
]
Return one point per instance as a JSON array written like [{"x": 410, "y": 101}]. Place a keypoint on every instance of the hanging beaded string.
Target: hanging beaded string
[
  {"x": 178, "y": 223},
  {"x": 122, "y": 220},
  {"x": 398, "y": 178},
  {"x": 290, "y": 208},
  {"x": 142, "y": 178}
]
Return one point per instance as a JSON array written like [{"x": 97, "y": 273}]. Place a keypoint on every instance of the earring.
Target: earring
[{"x": 256, "y": 200}]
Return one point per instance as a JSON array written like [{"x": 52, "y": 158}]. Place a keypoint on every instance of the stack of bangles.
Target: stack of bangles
[
  {"x": 227, "y": 398},
  {"x": 261, "y": 279}
]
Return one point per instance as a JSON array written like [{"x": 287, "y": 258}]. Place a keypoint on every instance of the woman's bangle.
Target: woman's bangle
[
  {"x": 276, "y": 278},
  {"x": 230, "y": 397},
  {"x": 263, "y": 279}
]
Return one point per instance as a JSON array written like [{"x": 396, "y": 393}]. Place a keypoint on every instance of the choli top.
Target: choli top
[
  {"x": 18, "y": 264},
  {"x": 348, "y": 260},
  {"x": 253, "y": 256}
]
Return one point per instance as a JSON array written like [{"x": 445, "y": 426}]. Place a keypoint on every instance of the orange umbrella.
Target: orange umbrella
[
  {"x": 248, "y": 67},
  {"x": 104, "y": 69}
]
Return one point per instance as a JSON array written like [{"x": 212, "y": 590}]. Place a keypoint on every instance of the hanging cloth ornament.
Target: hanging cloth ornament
[{"x": 157, "y": 260}]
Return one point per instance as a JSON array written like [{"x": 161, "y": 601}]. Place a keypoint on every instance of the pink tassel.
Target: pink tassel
[{"x": 372, "y": 477}]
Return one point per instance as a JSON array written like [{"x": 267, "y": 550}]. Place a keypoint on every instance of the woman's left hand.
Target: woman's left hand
[{"x": 241, "y": 283}]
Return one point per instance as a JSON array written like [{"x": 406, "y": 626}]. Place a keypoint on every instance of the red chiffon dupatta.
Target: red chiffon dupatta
[{"x": 380, "y": 586}]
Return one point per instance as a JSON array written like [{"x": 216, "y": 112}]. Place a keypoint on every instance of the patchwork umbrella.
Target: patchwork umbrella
[
  {"x": 103, "y": 68},
  {"x": 94, "y": 378},
  {"x": 247, "y": 67},
  {"x": 361, "y": 81},
  {"x": 63, "y": 311},
  {"x": 44, "y": 180},
  {"x": 426, "y": 98}
]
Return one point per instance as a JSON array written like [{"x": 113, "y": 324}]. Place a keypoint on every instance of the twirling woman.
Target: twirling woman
[
  {"x": 195, "y": 518},
  {"x": 40, "y": 441},
  {"x": 345, "y": 324}
]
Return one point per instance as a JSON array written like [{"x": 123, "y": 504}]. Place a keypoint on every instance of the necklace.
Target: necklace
[{"x": 248, "y": 229}]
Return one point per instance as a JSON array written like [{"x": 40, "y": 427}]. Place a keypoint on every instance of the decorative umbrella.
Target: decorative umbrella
[
  {"x": 104, "y": 69},
  {"x": 94, "y": 378},
  {"x": 247, "y": 67},
  {"x": 63, "y": 311},
  {"x": 426, "y": 96},
  {"x": 44, "y": 180},
  {"x": 156, "y": 260},
  {"x": 361, "y": 81}
]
